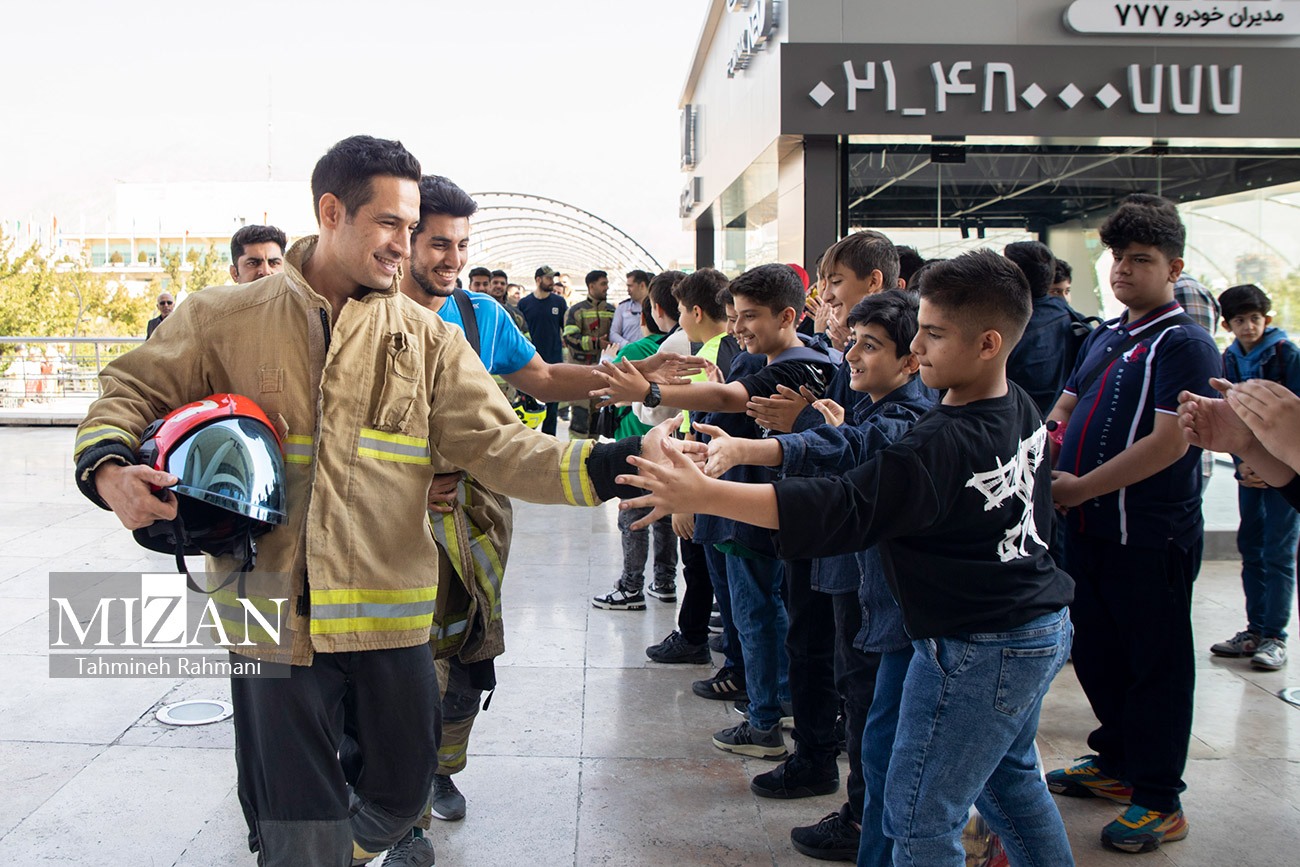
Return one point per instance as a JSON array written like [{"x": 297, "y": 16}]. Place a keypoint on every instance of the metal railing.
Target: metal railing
[{"x": 42, "y": 370}]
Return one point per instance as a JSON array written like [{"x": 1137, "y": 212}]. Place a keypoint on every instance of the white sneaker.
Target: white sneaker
[{"x": 1270, "y": 656}]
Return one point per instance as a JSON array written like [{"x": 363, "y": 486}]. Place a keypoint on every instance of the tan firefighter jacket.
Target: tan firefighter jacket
[{"x": 370, "y": 408}]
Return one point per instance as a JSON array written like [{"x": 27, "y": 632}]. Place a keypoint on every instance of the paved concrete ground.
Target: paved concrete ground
[{"x": 589, "y": 754}]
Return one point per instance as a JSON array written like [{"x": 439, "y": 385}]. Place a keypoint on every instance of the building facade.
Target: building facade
[{"x": 957, "y": 125}]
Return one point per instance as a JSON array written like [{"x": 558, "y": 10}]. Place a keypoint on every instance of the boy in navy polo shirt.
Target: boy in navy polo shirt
[{"x": 1134, "y": 530}]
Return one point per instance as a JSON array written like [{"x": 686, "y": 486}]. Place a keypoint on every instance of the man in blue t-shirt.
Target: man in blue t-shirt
[
  {"x": 544, "y": 312},
  {"x": 1134, "y": 529},
  {"x": 459, "y": 504}
]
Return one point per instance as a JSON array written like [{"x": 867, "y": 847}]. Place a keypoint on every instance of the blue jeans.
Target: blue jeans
[
  {"x": 1267, "y": 540},
  {"x": 734, "y": 657},
  {"x": 966, "y": 730},
  {"x": 875, "y": 849},
  {"x": 759, "y": 613}
]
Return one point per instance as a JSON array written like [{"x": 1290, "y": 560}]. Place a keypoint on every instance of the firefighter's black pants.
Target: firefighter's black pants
[{"x": 288, "y": 732}]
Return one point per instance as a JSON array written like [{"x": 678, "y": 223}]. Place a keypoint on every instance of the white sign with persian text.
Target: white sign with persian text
[{"x": 1186, "y": 18}]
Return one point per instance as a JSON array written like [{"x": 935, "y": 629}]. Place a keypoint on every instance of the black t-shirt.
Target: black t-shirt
[
  {"x": 793, "y": 368},
  {"x": 960, "y": 509}
]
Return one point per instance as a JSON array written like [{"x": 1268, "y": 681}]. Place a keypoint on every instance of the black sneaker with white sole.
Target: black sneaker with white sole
[
  {"x": 745, "y": 740},
  {"x": 663, "y": 592},
  {"x": 675, "y": 649},
  {"x": 728, "y": 684},
  {"x": 620, "y": 600}
]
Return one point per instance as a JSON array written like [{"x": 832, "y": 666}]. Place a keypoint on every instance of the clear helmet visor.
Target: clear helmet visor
[{"x": 234, "y": 464}]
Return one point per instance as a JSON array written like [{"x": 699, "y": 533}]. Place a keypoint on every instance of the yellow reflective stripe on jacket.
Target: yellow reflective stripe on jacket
[
  {"x": 578, "y": 490},
  {"x": 298, "y": 449},
  {"x": 338, "y": 611},
  {"x": 234, "y": 616},
  {"x": 449, "y": 633},
  {"x": 398, "y": 448},
  {"x": 487, "y": 563},
  {"x": 100, "y": 432}
]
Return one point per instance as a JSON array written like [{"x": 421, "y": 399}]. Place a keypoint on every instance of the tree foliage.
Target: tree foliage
[
  {"x": 42, "y": 297},
  {"x": 198, "y": 270}
]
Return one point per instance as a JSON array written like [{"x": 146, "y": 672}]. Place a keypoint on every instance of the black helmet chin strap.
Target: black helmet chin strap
[{"x": 249, "y": 549}]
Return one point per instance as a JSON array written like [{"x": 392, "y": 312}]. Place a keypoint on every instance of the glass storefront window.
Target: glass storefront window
[{"x": 748, "y": 233}]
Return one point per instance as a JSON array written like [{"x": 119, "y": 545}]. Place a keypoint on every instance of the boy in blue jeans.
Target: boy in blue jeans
[
  {"x": 1269, "y": 526},
  {"x": 957, "y": 508},
  {"x": 883, "y": 369}
]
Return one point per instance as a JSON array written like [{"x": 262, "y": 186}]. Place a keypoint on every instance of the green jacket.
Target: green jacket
[{"x": 629, "y": 425}]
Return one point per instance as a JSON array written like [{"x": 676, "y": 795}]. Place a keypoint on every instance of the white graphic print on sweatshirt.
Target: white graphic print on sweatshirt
[{"x": 1015, "y": 478}]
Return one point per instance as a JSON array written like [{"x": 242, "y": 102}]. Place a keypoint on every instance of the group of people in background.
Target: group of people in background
[{"x": 903, "y": 494}]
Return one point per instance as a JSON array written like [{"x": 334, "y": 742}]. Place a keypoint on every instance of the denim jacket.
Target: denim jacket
[{"x": 828, "y": 450}]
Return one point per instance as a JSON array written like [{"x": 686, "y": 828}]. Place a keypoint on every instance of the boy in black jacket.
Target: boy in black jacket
[{"x": 958, "y": 508}]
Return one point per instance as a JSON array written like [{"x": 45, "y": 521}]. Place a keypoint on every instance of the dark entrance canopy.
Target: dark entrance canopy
[{"x": 1037, "y": 186}]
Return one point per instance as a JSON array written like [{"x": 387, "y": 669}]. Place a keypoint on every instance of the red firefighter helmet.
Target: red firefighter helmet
[{"x": 227, "y": 456}]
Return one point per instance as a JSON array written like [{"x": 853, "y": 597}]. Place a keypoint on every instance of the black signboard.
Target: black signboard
[{"x": 1038, "y": 90}]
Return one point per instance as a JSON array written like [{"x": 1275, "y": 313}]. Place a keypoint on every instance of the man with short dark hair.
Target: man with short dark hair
[
  {"x": 255, "y": 252},
  {"x": 480, "y": 280},
  {"x": 497, "y": 285},
  {"x": 626, "y": 327},
  {"x": 166, "y": 303},
  {"x": 586, "y": 335},
  {"x": 351, "y": 361},
  {"x": 543, "y": 310}
]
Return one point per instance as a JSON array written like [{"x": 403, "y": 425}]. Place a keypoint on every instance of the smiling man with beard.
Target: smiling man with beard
[{"x": 468, "y": 636}]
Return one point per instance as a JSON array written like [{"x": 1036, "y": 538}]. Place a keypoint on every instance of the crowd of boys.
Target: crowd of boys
[{"x": 908, "y": 512}]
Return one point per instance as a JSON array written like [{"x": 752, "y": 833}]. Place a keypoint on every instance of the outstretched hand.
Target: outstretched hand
[
  {"x": 779, "y": 411},
  {"x": 722, "y": 451},
  {"x": 1211, "y": 423},
  {"x": 670, "y": 368},
  {"x": 624, "y": 383},
  {"x": 830, "y": 410},
  {"x": 660, "y": 438},
  {"x": 1272, "y": 413},
  {"x": 675, "y": 486}
]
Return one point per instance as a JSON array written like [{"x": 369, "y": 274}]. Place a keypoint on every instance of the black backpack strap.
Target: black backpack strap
[
  {"x": 467, "y": 316},
  {"x": 1086, "y": 381}
]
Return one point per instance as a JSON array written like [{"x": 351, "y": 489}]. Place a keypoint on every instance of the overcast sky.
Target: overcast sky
[{"x": 571, "y": 99}]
